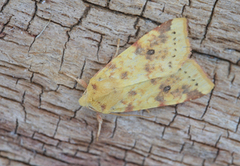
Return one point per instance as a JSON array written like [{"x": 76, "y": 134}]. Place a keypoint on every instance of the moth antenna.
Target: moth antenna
[
  {"x": 99, "y": 119},
  {"x": 118, "y": 42},
  {"x": 132, "y": 115},
  {"x": 80, "y": 81}
]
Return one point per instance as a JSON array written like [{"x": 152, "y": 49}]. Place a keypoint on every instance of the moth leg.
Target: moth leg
[
  {"x": 148, "y": 111},
  {"x": 99, "y": 119},
  {"x": 80, "y": 81},
  {"x": 118, "y": 43}
]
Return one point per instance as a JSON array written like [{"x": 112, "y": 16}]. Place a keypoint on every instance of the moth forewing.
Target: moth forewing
[{"x": 155, "y": 71}]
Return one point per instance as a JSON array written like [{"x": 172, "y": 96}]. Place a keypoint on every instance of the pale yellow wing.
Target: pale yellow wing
[
  {"x": 190, "y": 82},
  {"x": 160, "y": 52}
]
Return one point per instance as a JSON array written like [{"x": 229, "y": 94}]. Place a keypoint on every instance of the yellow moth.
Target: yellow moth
[{"x": 155, "y": 71}]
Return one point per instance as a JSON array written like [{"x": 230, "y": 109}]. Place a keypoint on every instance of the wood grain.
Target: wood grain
[{"x": 41, "y": 122}]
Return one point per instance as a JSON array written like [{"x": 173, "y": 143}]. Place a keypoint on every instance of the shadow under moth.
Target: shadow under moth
[{"x": 155, "y": 71}]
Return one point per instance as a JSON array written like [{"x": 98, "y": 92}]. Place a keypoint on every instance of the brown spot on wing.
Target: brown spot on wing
[
  {"x": 176, "y": 93},
  {"x": 103, "y": 107},
  {"x": 166, "y": 89},
  {"x": 94, "y": 86},
  {"x": 124, "y": 102},
  {"x": 147, "y": 68},
  {"x": 161, "y": 104},
  {"x": 124, "y": 75},
  {"x": 194, "y": 94},
  {"x": 162, "y": 86},
  {"x": 164, "y": 27},
  {"x": 114, "y": 90},
  {"x": 170, "y": 64},
  {"x": 149, "y": 54},
  {"x": 154, "y": 42},
  {"x": 112, "y": 66},
  {"x": 139, "y": 50},
  {"x": 135, "y": 44},
  {"x": 153, "y": 81},
  {"x": 132, "y": 93},
  {"x": 186, "y": 88},
  {"x": 163, "y": 37},
  {"x": 159, "y": 97},
  {"x": 129, "y": 108}
]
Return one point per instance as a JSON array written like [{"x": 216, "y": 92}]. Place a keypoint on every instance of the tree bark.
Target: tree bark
[{"x": 41, "y": 121}]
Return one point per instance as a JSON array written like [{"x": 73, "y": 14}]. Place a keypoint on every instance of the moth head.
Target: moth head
[{"x": 86, "y": 101}]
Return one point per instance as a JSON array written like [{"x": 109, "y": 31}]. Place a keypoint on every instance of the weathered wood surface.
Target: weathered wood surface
[{"x": 41, "y": 122}]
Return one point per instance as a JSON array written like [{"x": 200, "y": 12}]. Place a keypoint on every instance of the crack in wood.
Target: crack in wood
[
  {"x": 108, "y": 2},
  {"x": 31, "y": 47},
  {"x": 210, "y": 97},
  {"x": 91, "y": 141},
  {"x": 214, "y": 160},
  {"x": 183, "y": 8},
  {"x": 218, "y": 140},
  {"x": 31, "y": 78},
  {"x": 81, "y": 74},
  {"x": 149, "y": 152},
  {"x": 85, "y": 13},
  {"x": 13, "y": 42},
  {"x": 10, "y": 99},
  {"x": 182, "y": 147},
  {"x": 189, "y": 117},
  {"x": 229, "y": 71},
  {"x": 124, "y": 158},
  {"x": 189, "y": 130},
  {"x": 209, "y": 21},
  {"x": 22, "y": 104},
  {"x": 237, "y": 125},
  {"x": 9, "y": 89},
  {"x": 120, "y": 12},
  {"x": 20, "y": 162},
  {"x": 238, "y": 97},
  {"x": 203, "y": 163},
  {"x": 99, "y": 44},
  {"x": 231, "y": 50},
  {"x": 114, "y": 129},
  {"x": 232, "y": 157},
  {"x": 175, "y": 115},
  {"x": 223, "y": 97},
  {"x": 21, "y": 145},
  {"x": 128, "y": 39},
  {"x": 16, "y": 128},
  {"x": 52, "y": 21},
  {"x": 4, "y": 5},
  {"x": 55, "y": 132},
  {"x": 40, "y": 98},
  {"x": 34, "y": 14},
  {"x": 4, "y": 25},
  {"x": 164, "y": 128},
  {"x": 144, "y": 7},
  {"x": 75, "y": 112},
  {"x": 167, "y": 158},
  {"x": 134, "y": 144}
]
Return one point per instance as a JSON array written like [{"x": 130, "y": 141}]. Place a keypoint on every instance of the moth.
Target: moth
[{"x": 155, "y": 71}]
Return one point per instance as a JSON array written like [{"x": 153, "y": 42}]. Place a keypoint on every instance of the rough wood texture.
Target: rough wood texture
[{"x": 41, "y": 122}]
